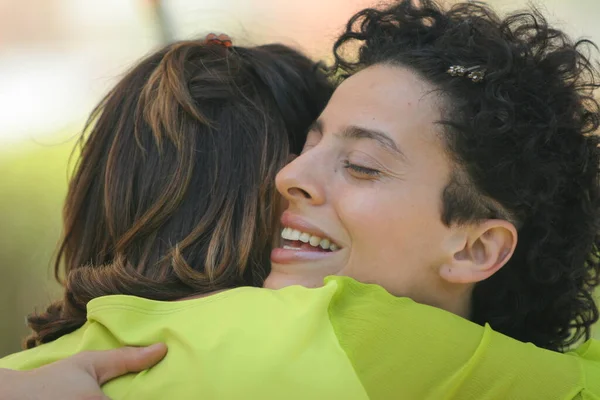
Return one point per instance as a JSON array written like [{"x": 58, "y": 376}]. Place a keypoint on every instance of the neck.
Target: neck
[{"x": 458, "y": 299}]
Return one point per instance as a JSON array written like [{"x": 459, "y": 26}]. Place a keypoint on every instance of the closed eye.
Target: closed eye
[{"x": 359, "y": 169}]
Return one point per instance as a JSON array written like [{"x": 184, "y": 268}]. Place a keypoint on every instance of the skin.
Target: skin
[
  {"x": 79, "y": 376},
  {"x": 370, "y": 179}
]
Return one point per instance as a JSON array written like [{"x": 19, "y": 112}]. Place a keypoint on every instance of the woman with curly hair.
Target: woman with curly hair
[
  {"x": 456, "y": 165},
  {"x": 488, "y": 203}
]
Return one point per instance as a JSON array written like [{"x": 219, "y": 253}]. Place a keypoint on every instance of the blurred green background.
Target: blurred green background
[{"x": 58, "y": 57}]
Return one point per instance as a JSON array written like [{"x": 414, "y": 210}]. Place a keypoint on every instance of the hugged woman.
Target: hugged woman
[
  {"x": 456, "y": 165},
  {"x": 173, "y": 198}
]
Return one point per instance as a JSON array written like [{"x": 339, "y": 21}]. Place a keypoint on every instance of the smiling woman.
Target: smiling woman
[
  {"x": 382, "y": 205},
  {"x": 456, "y": 165}
]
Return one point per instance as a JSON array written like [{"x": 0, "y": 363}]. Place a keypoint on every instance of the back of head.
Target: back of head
[
  {"x": 523, "y": 144},
  {"x": 174, "y": 191}
]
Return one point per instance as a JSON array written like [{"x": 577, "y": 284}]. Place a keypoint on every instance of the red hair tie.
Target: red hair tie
[{"x": 221, "y": 40}]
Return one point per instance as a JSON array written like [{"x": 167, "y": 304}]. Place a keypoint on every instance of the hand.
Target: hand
[{"x": 78, "y": 377}]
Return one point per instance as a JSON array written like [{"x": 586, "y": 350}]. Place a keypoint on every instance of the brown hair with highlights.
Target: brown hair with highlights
[{"x": 173, "y": 194}]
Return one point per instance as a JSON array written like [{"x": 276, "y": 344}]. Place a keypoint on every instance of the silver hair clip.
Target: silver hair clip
[{"x": 476, "y": 73}]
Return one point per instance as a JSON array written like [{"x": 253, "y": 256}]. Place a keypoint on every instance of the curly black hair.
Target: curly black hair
[{"x": 524, "y": 145}]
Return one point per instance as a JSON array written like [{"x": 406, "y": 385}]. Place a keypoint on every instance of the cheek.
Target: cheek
[
  {"x": 393, "y": 238},
  {"x": 390, "y": 219},
  {"x": 380, "y": 230}
]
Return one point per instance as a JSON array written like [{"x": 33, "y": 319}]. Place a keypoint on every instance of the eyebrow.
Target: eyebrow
[
  {"x": 383, "y": 140},
  {"x": 356, "y": 132}
]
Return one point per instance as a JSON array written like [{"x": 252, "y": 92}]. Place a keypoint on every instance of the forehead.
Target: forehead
[{"x": 384, "y": 97}]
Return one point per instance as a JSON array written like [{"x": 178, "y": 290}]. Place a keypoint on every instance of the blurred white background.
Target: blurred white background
[{"x": 58, "y": 57}]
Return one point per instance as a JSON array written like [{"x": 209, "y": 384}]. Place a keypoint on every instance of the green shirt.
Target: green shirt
[{"x": 346, "y": 340}]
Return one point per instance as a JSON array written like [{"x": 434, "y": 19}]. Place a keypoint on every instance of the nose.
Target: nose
[{"x": 301, "y": 181}]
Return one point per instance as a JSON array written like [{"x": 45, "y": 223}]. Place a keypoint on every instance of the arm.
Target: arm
[{"x": 78, "y": 377}]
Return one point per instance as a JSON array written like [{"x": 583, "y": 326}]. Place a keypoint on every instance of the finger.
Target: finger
[{"x": 109, "y": 364}]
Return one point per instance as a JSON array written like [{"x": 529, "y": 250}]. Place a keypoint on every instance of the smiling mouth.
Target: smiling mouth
[{"x": 294, "y": 239}]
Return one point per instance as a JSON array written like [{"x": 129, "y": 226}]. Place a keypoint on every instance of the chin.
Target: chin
[{"x": 279, "y": 280}]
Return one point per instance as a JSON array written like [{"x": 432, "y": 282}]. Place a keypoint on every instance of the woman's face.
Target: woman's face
[{"x": 369, "y": 183}]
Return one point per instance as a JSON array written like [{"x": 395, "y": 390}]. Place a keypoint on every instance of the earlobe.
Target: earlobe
[
  {"x": 456, "y": 273},
  {"x": 487, "y": 249}
]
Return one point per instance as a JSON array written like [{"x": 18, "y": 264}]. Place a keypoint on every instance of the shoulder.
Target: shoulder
[{"x": 588, "y": 355}]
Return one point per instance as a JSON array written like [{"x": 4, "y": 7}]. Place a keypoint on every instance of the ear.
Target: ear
[{"x": 485, "y": 248}]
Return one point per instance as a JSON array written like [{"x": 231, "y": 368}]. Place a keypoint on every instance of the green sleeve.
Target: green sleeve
[{"x": 401, "y": 349}]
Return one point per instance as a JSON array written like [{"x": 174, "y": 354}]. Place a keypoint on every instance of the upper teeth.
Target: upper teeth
[{"x": 315, "y": 241}]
